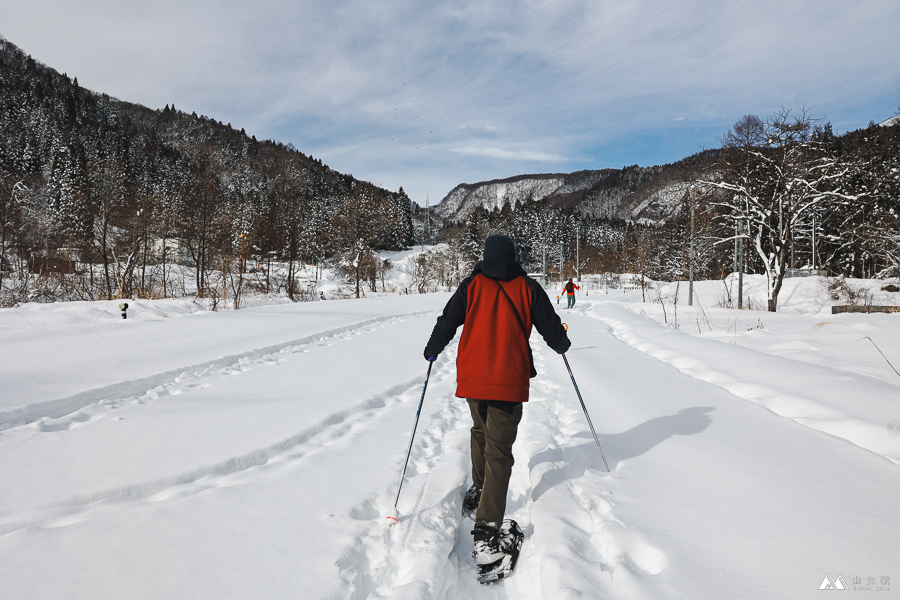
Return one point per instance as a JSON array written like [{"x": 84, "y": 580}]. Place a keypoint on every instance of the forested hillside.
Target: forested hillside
[
  {"x": 99, "y": 198},
  {"x": 92, "y": 182},
  {"x": 782, "y": 195}
]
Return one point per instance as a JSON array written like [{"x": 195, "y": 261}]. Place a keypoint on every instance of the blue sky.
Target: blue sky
[{"x": 427, "y": 95}]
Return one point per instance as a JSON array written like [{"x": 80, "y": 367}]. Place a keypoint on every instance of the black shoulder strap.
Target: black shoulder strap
[
  {"x": 522, "y": 325},
  {"x": 515, "y": 310}
]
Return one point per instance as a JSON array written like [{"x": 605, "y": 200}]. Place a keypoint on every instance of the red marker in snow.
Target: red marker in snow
[{"x": 393, "y": 516}]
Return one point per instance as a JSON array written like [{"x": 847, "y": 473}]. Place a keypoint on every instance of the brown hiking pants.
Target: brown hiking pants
[{"x": 494, "y": 429}]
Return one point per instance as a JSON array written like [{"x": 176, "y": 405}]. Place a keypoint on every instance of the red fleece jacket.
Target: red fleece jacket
[{"x": 492, "y": 363}]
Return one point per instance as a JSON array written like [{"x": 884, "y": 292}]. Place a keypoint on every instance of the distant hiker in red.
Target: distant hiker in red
[
  {"x": 570, "y": 288},
  {"x": 498, "y": 304}
]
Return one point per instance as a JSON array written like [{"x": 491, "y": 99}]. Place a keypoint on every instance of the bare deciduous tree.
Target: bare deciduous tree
[{"x": 772, "y": 176}]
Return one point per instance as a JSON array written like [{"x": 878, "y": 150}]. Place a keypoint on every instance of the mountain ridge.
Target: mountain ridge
[{"x": 632, "y": 193}]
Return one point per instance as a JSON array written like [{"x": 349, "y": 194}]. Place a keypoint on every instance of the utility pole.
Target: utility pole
[
  {"x": 737, "y": 229},
  {"x": 578, "y": 253},
  {"x": 427, "y": 221},
  {"x": 814, "y": 241},
  {"x": 741, "y": 266},
  {"x": 691, "y": 259},
  {"x": 561, "y": 263},
  {"x": 543, "y": 262},
  {"x": 792, "y": 250},
  {"x": 782, "y": 233}
]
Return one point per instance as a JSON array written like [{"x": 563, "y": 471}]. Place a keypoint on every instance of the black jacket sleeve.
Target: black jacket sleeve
[
  {"x": 453, "y": 316},
  {"x": 545, "y": 319}
]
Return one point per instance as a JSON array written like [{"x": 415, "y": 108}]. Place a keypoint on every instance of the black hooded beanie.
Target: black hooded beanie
[{"x": 500, "y": 259}]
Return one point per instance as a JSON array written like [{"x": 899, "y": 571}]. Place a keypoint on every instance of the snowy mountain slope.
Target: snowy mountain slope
[
  {"x": 563, "y": 189},
  {"x": 496, "y": 194},
  {"x": 895, "y": 120},
  {"x": 631, "y": 193},
  {"x": 265, "y": 472},
  {"x": 654, "y": 202}
]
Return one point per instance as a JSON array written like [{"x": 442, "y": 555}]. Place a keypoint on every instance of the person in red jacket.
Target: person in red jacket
[
  {"x": 498, "y": 305},
  {"x": 570, "y": 288}
]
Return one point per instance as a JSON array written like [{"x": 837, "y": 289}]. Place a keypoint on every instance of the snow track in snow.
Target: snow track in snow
[
  {"x": 60, "y": 414},
  {"x": 268, "y": 476},
  {"x": 414, "y": 558},
  {"x": 857, "y": 408},
  {"x": 51, "y": 504},
  {"x": 561, "y": 495},
  {"x": 558, "y": 494},
  {"x": 231, "y": 471}
]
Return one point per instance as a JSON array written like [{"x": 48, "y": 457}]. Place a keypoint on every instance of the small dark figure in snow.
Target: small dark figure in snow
[
  {"x": 498, "y": 303},
  {"x": 570, "y": 288}
]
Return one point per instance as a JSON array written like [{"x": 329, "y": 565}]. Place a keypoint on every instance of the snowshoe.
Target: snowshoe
[
  {"x": 471, "y": 500},
  {"x": 487, "y": 544},
  {"x": 505, "y": 546}
]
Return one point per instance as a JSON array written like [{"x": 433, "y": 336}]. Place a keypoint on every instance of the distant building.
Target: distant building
[
  {"x": 176, "y": 251},
  {"x": 805, "y": 272},
  {"x": 44, "y": 265}
]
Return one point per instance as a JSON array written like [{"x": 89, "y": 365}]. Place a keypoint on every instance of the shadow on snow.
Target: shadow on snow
[{"x": 575, "y": 460}]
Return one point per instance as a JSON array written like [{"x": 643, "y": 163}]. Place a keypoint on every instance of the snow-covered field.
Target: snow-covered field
[{"x": 253, "y": 453}]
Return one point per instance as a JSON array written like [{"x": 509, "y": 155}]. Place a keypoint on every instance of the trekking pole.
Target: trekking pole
[
  {"x": 584, "y": 408},
  {"x": 394, "y": 516}
]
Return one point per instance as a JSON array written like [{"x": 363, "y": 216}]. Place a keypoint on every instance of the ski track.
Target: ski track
[
  {"x": 233, "y": 470},
  {"x": 63, "y": 413},
  {"x": 412, "y": 559},
  {"x": 560, "y": 499},
  {"x": 870, "y": 429},
  {"x": 575, "y": 544}
]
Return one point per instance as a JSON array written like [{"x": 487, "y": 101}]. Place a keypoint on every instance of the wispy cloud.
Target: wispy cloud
[
  {"x": 522, "y": 155},
  {"x": 426, "y": 95}
]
